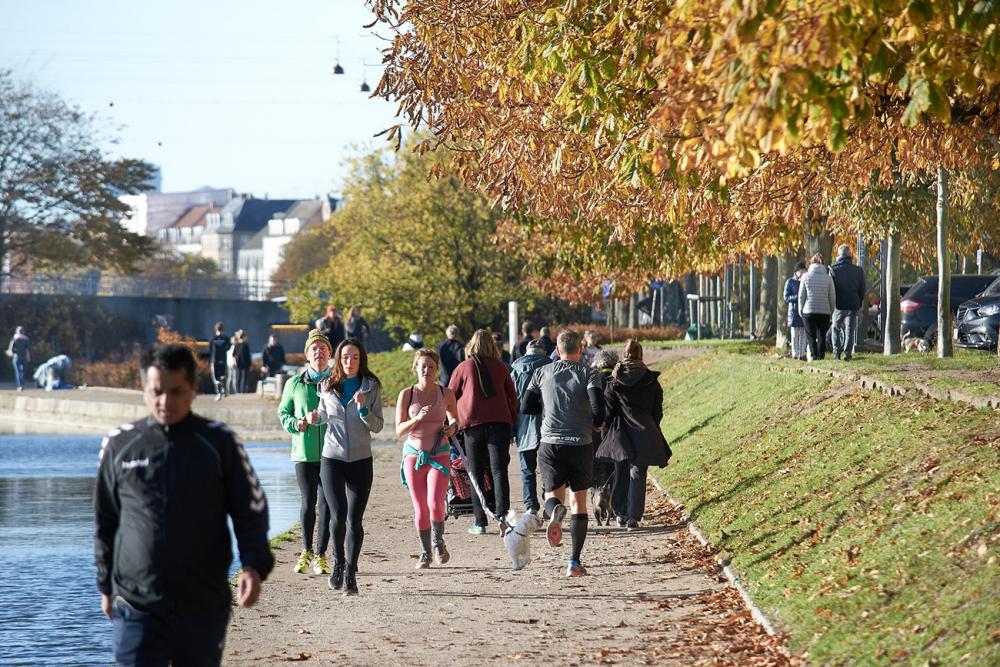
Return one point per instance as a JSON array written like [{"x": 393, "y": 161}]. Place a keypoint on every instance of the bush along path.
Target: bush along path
[
  {"x": 866, "y": 525},
  {"x": 655, "y": 597}
]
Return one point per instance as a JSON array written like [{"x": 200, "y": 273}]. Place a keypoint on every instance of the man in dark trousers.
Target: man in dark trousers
[
  {"x": 570, "y": 398},
  {"x": 272, "y": 359},
  {"x": 451, "y": 352},
  {"x": 166, "y": 485},
  {"x": 217, "y": 348},
  {"x": 851, "y": 286}
]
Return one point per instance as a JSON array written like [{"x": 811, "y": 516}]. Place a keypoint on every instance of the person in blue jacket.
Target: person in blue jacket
[
  {"x": 528, "y": 426},
  {"x": 795, "y": 326}
]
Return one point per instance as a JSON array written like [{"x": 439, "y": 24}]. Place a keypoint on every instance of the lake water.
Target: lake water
[{"x": 50, "y": 610}]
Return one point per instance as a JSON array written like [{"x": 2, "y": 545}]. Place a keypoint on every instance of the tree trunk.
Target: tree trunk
[
  {"x": 818, "y": 239},
  {"x": 633, "y": 314},
  {"x": 754, "y": 298},
  {"x": 768, "y": 298},
  {"x": 944, "y": 343},
  {"x": 890, "y": 337},
  {"x": 786, "y": 266}
]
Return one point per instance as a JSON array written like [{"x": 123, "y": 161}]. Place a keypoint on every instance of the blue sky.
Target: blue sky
[{"x": 217, "y": 92}]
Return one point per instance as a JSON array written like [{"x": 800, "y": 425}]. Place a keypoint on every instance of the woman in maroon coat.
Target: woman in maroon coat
[
  {"x": 632, "y": 435},
  {"x": 487, "y": 407}
]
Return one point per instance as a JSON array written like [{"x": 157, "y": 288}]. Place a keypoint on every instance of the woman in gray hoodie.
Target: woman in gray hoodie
[
  {"x": 350, "y": 404},
  {"x": 817, "y": 301}
]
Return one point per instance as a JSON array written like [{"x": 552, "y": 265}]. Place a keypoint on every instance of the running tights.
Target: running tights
[
  {"x": 347, "y": 487},
  {"x": 307, "y": 475},
  {"x": 428, "y": 487}
]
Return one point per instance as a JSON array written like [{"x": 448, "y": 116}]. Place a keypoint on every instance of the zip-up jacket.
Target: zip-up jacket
[
  {"x": 298, "y": 399},
  {"x": 163, "y": 495},
  {"x": 349, "y": 433},
  {"x": 529, "y": 427}
]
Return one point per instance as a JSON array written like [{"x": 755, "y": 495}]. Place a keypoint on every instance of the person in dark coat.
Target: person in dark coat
[
  {"x": 529, "y": 332},
  {"x": 529, "y": 427},
  {"x": 241, "y": 354},
  {"x": 851, "y": 286},
  {"x": 272, "y": 359},
  {"x": 218, "y": 347},
  {"x": 632, "y": 436},
  {"x": 504, "y": 354},
  {"x": 550, "y": 345},
  {"x": 796, "y": 327},
  {"x": 452, "y": 353}
]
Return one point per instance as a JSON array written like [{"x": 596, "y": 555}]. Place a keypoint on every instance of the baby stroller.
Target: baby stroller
[{"x": 459, "y": 495}]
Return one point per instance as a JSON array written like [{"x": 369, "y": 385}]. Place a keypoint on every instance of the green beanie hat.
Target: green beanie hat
[{"x": 315, "y": 336}]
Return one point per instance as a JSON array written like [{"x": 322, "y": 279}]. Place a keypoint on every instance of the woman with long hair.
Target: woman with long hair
[
  {"x": 350, "y": 404},
  {"x": 427, "y": 414},
  {"x": 487, "y": 408}
]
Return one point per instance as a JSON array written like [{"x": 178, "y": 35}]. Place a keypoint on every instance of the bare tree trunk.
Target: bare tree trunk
[
  {"x": 944, "y": 344},
  {"x": 768, "y": 298},
  {"x": 786, "y": 265},
  {"x": 890, "y": 337},
  {"x": 818, "y": 239},
  {"x": 632, "y": 312}
]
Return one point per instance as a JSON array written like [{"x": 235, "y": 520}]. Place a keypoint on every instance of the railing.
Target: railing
[{"x": 95, "y": 284}]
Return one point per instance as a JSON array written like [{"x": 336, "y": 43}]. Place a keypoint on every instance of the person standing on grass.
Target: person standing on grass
[
  {"x": 242, "y": 360},
  {"x": 167, "y": 485},
  {"x": 795, "y": 328},
  {"x": 632, "y": 435},
  {"x": 451, "y": 352},
  {"x": 298, "y": 399},
  {"x": 817, "y": 301},
  {"x": 569, "y": 397},
  {"x": 218, "y": 349},
  {"x": 427, "y": 414},
  {"x": 19, "y": 351},
  {"x": 529, "y": 427},
  {"x": 272, "y": 359},
  {"x": 350, "y": 404},
  {"x": 487, "y": 409},
  {"x": 851, "y": 286}
]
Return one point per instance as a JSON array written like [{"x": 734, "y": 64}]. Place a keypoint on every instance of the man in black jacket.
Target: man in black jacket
[
  {"x": 851, "y": 285},
  {"x": 451, "y": 352},
  {"x": 165, "y": 487},
  {"x": 217, "y": 348}
]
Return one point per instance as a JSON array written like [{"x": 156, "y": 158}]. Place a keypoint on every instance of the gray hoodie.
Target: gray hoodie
[{"x": 348, "y": 434}]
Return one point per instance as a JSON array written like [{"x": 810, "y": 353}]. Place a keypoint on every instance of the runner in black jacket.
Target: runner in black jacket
[{"x": 165, "y": 487}]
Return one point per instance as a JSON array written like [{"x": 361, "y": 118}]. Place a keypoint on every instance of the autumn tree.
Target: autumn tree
[
  {"x": 59, "y": 194},
  {"x": 419, "y": 252}
]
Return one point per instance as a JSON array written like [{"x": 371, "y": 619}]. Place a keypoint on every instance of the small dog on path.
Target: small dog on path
[
  {"x": 600, "y": 500},
  {"x": 518, "y": 540}
]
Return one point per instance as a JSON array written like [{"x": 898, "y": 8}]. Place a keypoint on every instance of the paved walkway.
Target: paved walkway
[{"x": 655, "y": 597}]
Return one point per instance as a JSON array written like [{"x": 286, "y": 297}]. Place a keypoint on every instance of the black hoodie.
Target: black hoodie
[{"x": 634, "y": 401}]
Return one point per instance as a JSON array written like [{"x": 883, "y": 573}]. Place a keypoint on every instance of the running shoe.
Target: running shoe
[
  {"x": 424, "y": 561},
  {"x": 575, "y": 569},
  {"x": 632, "y": 525},
  {"x": 441, "y": 555},
  {"x": 476, "y": 529},
  {"x": 302, "y": 566},
  {"x": 620, "y": 520},
  {"x": 554, "y": 530},
  {"x": 350, "y": 583},
  {"x": 320, "y": 565},
  {"x": 336, "y": 580}
]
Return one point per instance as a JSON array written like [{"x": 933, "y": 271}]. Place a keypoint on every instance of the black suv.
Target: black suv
[
  {"x": 978, "y": 320},
  {"x": 919, "y": 304}
]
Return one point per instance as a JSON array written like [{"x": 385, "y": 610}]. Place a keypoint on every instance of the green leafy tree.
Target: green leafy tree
[
  {"x": 421, "y": 252},
  {"x": 59, "y": 195}
]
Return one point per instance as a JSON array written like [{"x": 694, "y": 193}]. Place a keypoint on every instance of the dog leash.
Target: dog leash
[{"x": 472, "y": 480}]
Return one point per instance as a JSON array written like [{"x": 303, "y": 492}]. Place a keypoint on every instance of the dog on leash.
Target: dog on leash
[
  {"x": 600, "y": 500},
  {"x": 913, "y": 344},
  {"x": 518, "y": 539}
]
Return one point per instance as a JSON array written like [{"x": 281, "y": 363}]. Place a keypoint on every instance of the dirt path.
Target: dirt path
[{"x": 655, "y": 597}]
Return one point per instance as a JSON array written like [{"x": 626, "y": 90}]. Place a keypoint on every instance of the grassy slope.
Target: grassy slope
[
  {"x": 869, "y": 526},
  {"x": 394, "y": 369}
]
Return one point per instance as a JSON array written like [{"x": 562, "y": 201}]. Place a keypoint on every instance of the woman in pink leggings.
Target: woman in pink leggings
[{"x": 427, "y": 414}]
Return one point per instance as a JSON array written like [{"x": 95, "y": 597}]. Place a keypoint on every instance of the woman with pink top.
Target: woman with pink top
[{"x": 427, "y": 414}]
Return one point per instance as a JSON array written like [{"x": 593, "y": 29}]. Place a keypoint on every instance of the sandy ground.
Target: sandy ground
[{"x": 655, "y": 596}]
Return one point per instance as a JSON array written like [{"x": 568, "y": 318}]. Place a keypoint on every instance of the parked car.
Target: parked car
[
  {"x": 978, "y": 320},
  {"x": 919, "y": 304}
]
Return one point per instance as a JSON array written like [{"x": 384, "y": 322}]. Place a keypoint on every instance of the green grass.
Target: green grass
[
  {"x": 394, "y": 369},
  {"x": 290, "y": 535},
  {"x": 868, "y": 526}
]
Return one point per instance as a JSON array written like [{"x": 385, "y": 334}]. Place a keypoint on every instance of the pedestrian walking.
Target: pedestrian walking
[
  {"x": 357, "y": 326},
  {"x": 504, "y": 354},
  {"x": 167, "y": 485},
  {"x": 529, "y": 427},
  {"x": 568, "y": 396},
  {"x": 529, "y": 332},
  {"x": 795, "y": 327},
  {"x": 218, "y": 350},
  {"x": 451, "y": 352},
  {"x": 242, "y": 360},
  {"x": 19, "y": 351},
  {"x": 331, "y": 326},
  {"x": 591, "y": 346},
  {"x": 850, "y": 284},
  {"x": 350, "y": 404},
  {"x": 298, "y": 400},
  {"x": 545, "y": 335},
  {"x": 272, "y": 358},
  {"x": 487, "y": 409},
  {"x": 427, "y": 414},
  {"x": 632, "y": 436},
  {"x": 817, "y": 301}
]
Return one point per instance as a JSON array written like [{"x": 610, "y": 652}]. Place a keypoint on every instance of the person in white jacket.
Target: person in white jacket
[{"x": 817, "y": 301}]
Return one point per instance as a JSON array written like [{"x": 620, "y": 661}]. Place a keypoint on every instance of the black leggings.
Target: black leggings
[
  {"x": 816, "y": 325},
  {"x": 347, "y": 487},
  {"x": 489, "y": 443},
  {"x": 307, "y": 475}
]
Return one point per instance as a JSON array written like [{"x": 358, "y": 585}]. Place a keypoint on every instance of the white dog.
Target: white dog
[{"x": 518, "y": 540}]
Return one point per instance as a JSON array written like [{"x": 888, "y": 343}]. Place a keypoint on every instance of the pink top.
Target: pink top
[{"x": 426, "y": 434}]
